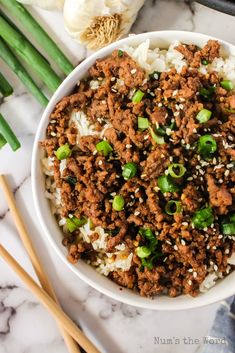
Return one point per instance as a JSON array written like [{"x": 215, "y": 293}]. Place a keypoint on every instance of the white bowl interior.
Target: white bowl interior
[{"x": 224, "y": 288}]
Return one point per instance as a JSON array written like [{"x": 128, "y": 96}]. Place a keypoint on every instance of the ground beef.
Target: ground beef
[{"x": 182, "y": 254}]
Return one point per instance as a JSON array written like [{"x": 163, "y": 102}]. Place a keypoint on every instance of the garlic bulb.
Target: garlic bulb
[
  {"x": 99, "y": 22},
  {"x": 45, "y": 4}
]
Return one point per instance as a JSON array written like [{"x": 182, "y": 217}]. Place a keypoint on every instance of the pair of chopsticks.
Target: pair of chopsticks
[{"x": 46, "y": 295}]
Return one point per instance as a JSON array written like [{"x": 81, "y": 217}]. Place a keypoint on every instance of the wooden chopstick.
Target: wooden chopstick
[
  {"x": 49, "y": 303},
  {"x": 37, "y": 265}
]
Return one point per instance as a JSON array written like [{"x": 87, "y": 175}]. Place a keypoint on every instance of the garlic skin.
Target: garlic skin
[
  {"x": 97, "y": 23},
  {"x": 45, "y": 4}
]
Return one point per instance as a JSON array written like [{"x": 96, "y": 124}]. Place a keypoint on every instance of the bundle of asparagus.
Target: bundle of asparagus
[{"x": 14, "y": 44}]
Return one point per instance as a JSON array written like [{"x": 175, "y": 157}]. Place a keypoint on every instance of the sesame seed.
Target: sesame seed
[
  {"x": 113, "y": 193},
  {"x": 214, "y": 161},
  {"x": 100, "y": 162},
  {"x": 215, "y": 267},
  {"x": 226, "y": 173},
  {"x": 159, "y": 104},
  {"x": 141, "y": 200},
  {"x": 183, "y": 242},
  {"x": 181, "y": 106},
  {"x": 136, "y": 190},
  {"x": 190, "y": 282},
  {"x": 195, "y": 130},
  {"x": 133, "y": 71},
  {"x": 176, "y": 113},
  {"x": 175, "y": 92},
  {"x": 194, "y": 274},
  {"x": 175, "y": 247},
  {"x": 190, "y": 178},
  {"x": 132, "y": 196},
  {"x": 136, "y": 213},
  {"x": 152, "y": 94},
  {"x": 220, "y": 236},
  {"x": 214, "y": 247},
  {"x": 182, "y": 141},
  {"x": 168, "y": 131},
  {"x": 211, "y": 263},
  {"x": 145, "y": 152},
  {"x": 220, "y": 181},
  {"x": 53, "y": 121},
  {"x": 205, "y": 229},
  {"x": 187, "y": 146},
  {"x": 146, "y": 137},
  {"x": 168, "y": 242},
  {"x": 143, "y": 175},
  {"x": 170, "y": 158},
  {"x": 208, "y": 247},
  {"x": 226, "y": 251},
  {"x": 230, "y": 138},
  {"x": 156, "y": 188},
  {"x": 155, "y": 76},
  {"x": 230, "y": 165},
  {"x": 185, "y": 223},
  {"x": 128, "y": 145},
  {"x": 113, "y": 79},
  {"x": 190, "y": 270}
]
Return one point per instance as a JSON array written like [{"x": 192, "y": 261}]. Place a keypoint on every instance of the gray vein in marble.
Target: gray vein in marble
[{"x": 3, "y": 214}]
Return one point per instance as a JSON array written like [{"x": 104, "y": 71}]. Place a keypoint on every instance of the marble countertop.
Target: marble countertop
[{"x": 25, "y": 326}]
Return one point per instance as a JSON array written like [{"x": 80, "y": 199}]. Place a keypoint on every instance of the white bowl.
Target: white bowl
[{"x": 223, "y": 288}]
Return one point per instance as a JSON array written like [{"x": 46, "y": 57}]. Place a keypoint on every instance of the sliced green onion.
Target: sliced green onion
[
  {"x": 203, "y": 218},
  {"x": 63, "y": 152},
  {"x": 166, "y": 184},
  {"x": 228, "y": 228},
  {"x": 147, "y": 263},
  {"x": 120, "y": 53},
  {"x": 161, "y": 130},
  {"x": 176, "y": 170},
  {"x": 207, "y": 145},
  {"x": 118, "y": 203},
  {"x": 204, "y": 115},
  {"x": 207, "y": 92},
  {"x": 71, "y": 180},
  {"x": 3, "y": 141},
  {"x": 173, "y": 207},
  {"x": 8, "y": 134},
  {"x": 104, "y": 147},
  {"x": 143, "y": 123},
  {"x": 158, "y": 139},
  {"x": 227, "y": 84},
  {"x": 147, "y": 233},
  {"x": 143, "y": 251},
  {"x": 74, "y": 223},
  {"x": 129, "y": 170},
  {"x": 5, "y": 87},
  {"x": 204, "y": 62},
  {"x": 232, "y": 218},
  {"x": 91, "y": 224},
  {"x": 137, "y": 97}
]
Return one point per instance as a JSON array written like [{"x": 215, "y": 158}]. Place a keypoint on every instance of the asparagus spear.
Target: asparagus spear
[
  {"x": 26, "y": 50},
  {"x": 5, "y": 87},
  {"x": 11, "y": 60},
  {"x": 21, "y": 14},
  {"x": 3, "y": 141},
  {"x": 8, "y": 134}
]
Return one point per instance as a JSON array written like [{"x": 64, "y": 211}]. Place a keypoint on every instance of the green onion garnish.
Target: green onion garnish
[
  {"x": 203, "y": 218},
  {"x": 143, "y": 123},
  {"x": 148, "y": 234},
  {"x": 158, "y": 139},
  {"x": 143, "y": 251},
  {"x": 137, "y": 97},
  {"x": 228, "y": 228},
  {"x": 207, "y": 92},
  {"x": 204, "y": 115},
  {"x": 227, "y": 84},
  {"x": 71, "y": 180},
  {"x": 118, "y": 203},
  {"x": 176, "y": 170},
  {"x": 3, "y": 141},
  {"x": 8, "y": 134},
  {"x": 120, "y": 53},
  {"x": 166, "y": 184},
  {"x": 74, "y": 223},
  {"x": 63, "y": 152},
  {"x": 104, "y": 147},
  {"x": 173, "y": 207},
  {"x": 207, "y": 145},
  {"x": 129, "y": 170},
  {"x": 232, "y": 218},
  {"x": 204, "y": 62}
]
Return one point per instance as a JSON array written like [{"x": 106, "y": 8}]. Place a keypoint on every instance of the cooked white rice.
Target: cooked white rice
[{"x": 151, "y": 60}]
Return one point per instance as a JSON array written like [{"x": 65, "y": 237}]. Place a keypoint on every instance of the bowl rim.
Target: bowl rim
[{"x": 139, "y": 301}]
